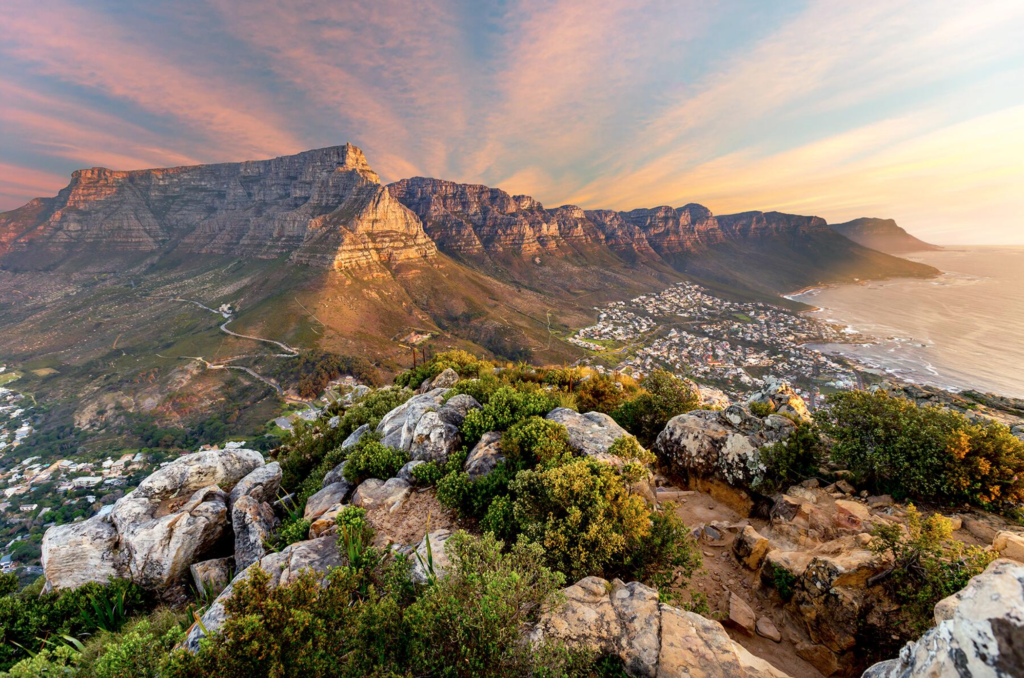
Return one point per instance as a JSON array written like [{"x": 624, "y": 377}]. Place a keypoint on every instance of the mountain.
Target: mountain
[
  {"x": 882, "y": 235},
  {"x": 101, "y": 285}
]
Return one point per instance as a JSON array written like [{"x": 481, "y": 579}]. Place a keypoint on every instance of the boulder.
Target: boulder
[
  {"x": 213, "y": 575},
  {"x": 355, "y": 437},
  {"x": 262, "y": 484},
  {"x": 721, "y": 445},
  {"x": 438, "y": 556},
  {"x": 253, "y": 523},
  {"x": 446, "y": 379},
  {"x": 1009, "y": 545},
  {"x": 325, "y": 524},
  {"x": 161, "y": 539},
  {"x": 318, "y": 555},
  {"x": 433, "y": 439},
  {"x": 980, "y": 634},
  {"x": 741, "y": 616},
  {"x": 651, "y": 638},
  {"x": 335, "y": 493},
  {"x": 190, "y": 472},
  {"x": 373, "y": 493},
  {"x": 335, "y": 475},
  {"x": 485, "y": 456},
  {"x": 405, "y": 473},
  {"x": 398, "y": 426},
  {"x": 750, "y": 547},
  {"x": 818, "y": 656},
  {"x": 457, "y": 407},
  {"x": 78, "y": 553},
  {"x": 591, "y": 433},
  {"x": 766, "y": 628},
  {"x": 779, "y": 394},
  {"x": 851, "y": 515}
]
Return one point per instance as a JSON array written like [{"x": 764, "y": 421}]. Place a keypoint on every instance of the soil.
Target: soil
[{"x": 420, "y": 513}]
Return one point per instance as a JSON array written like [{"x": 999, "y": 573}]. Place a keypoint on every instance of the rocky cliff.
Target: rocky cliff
[
  {"x": 883, "y": 235},
  {"x": 324, "y": 207}
]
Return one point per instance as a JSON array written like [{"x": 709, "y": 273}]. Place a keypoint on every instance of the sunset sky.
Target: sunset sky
[{"x": 910, "y": 110}]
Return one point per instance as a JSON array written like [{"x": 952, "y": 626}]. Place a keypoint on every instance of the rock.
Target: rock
[
  {"x": 741, "y": 617},
  {"x": 357, "y": 393},
  {"x": 440, "y": 558},
  {"x": 433, "y": 439},
  {"x": 446, "y": 379},
  {"x": 485, "y": 456},
  {"x": 398, "y": 426},
  {"x": 334, "y": 421},
  {"x": 190, "y": 472},
  {"x": 405, "y": 473},
  {"x": 1009, "y": 545},
  {"x": 335, "y": 475},
  {"x": 591, "y": 434},
  {"x": 980, "y": 528},
  {"x": 318, "y": 555},
  {"x": 74, "y": 554},
  {"x": 750, "y": 547},
  {"x": 213, "y": 575},
  {"x": 335, "y": 493},
  {"x": 713, "y": 398},
  {"x": 720, "y": 445},
  {"x": 253, "y": 523},
  {"x": 651, "y": 638},
  {"x": 161, "y": 539},
  {"x": 782, "y": 399},
  {"x": 851, "y": 514},
  {"x": 845, "y": 487},
  {"x": 818, "y": 656},
  {"x": 354, "y": 437},
  {"x": 767, "y": 629},
  {"x": 374, "y": 492},
  {"x": 458, "y": 406},
  {"x": 261, "y": 484},
  {"x": 980, "y": 632},
  {"x": 880, "y": 501}
]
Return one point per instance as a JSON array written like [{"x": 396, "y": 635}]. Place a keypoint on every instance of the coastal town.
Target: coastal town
[{"x": 731, "y": 345}]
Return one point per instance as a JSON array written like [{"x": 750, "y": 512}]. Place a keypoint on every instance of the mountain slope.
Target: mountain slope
[{"x": 883, "y": 235}]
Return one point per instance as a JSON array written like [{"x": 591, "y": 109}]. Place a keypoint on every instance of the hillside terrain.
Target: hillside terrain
[{"x": 883, "y": 235}]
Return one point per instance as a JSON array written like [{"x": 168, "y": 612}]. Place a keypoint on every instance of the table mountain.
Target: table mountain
[{"x": 882, "y": 235}]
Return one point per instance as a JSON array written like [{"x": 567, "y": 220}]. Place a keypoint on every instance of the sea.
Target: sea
[{"x": 961, "y": 330}]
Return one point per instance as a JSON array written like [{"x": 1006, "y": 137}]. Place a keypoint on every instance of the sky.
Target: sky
[{"x": 912, "y": 110}]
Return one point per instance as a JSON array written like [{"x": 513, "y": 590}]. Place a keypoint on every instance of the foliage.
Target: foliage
[
  {"x": 307, "y": 450},
  {"x": 505, "y": 408},
  {"x": 26, "y": 618},
  {"x": 662, "y": 396},
  {"x": 8, "y": 583},
  {"x": 428, "y": 473},
  {"x": 535, "y": 440},
  {"x": 469, "y": 623},
  {"x": 783, "y": 580},
  {"x": 373, "y": 459},
  {"x": 761, "y": 409},
  {"x": 789, "y": 461},
  {"x": 582, "y": 514},
  {"x": 56, "y": 660},
  {"x": 893, "y": 445},
  {"x": 293, "y": 530},
  {"x": 926, "y": 565},
  {"x": 601, "y": 393},
  {"x": 629, "y": 449},
  {"x": 312, "y": 370},
  {"x": 669, "y": 552},
  {"x": 464, "y": 363}
]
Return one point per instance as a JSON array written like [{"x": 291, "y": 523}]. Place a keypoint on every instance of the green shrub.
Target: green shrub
[
  {"x": 292, "y": 531},
  {"x": 464, "y": 363},
  {"x": 761, "y": 409},
  {"x": 139, "y": 653},
  {"x": 792, "y": 460},
  {"x": 893, "y": 445},
  {"x": 926, "y": 565},
  {"x": 57, "y": 660},
  {"x": 662, "y": 396},
  {"x": 581, "y": 513},
  {"x": 8, "y": 583},
  {"x": 506, "y": 407},
  {"x": 479, "y": 389},
  {"x": 428, "y": 473},
  {"x": 535, "y": 440},
  {"x": 784, "y": 581},
  {"x": 668, "y": 554},
  {"x": 453, "y": 489},
  {"x": 601, "y": 393},
  {"x": 373, "y": 459}
]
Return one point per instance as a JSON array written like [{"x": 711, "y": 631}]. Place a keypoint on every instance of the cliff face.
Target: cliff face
[
  {"x": 883, "y": 235},
  {"x": 323, "y": 207}
]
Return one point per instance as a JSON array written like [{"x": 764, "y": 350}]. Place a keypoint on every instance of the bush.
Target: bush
[
  {"x": 792, "y": 460},
  {"x": 536, "y": 440},
  {"x": 662, "y": 396},
  {"x": 925, "y": 567},
  {"x": 292, "y": 531},
  {"x": 669, "y": 553},
  {"x": 761, "y": 409},
  {"x": 373, "y": 459},
  {"x": 428, "y": 473},
  {"x": 601, "y": 393},
  {"x": 893, "y": 445},
  {"x": 582, "y": 514},
  {"x": 506, "y": 407},
  {"x": 464, "y": 363}
]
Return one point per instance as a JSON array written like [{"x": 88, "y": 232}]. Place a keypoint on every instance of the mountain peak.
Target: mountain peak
[{"x": 883, "y": 235}]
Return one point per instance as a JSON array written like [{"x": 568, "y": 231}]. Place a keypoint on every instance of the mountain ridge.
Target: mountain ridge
[{"x": 884, "y": 235}]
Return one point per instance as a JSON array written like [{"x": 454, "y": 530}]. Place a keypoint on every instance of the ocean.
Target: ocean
[{"x": 962, "y": 330}]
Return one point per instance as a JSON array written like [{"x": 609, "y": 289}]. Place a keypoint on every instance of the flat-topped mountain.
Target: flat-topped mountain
[{"x": 883, "y": 235}]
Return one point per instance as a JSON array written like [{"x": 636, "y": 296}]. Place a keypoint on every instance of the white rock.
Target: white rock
[{"x": 78, "y": 553}]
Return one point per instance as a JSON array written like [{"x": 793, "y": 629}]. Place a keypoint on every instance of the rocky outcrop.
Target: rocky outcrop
[
  {"x": 485, "y": 456},
  {"x": 332, "y": 494},
  {"x": 979, "y": 632},
  {"x": 262, "y": 484},
  {"x": 253, "y": 523},
  {"x": 650, "y": 637},
  {"x": 591, "y": 434},
  {"x": 883, "y": 235},
  {"x": 374, "y": 493},
  {"x": 780, "y": 396},
  {"x": 324, "y": 207},
  {"x": 720, "y": 445},
  {"x": 154, "y": 533},
  {"x": 398, "y": 427}
]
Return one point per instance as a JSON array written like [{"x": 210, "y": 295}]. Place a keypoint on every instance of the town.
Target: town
[{"x": 731, "y": 345}]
